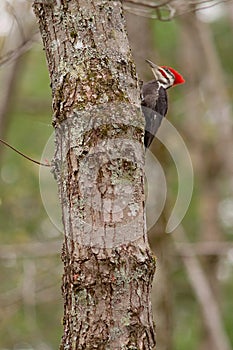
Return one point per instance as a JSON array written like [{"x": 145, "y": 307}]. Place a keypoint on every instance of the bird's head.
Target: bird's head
[{"x": 166, "y": 76}]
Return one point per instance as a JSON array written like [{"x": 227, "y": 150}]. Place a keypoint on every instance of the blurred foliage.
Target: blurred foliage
[
  {"x": 187, "y": 313},
  {"x": 37, "y": 324},
  {"x": 23, "y": 218},
  {"x": 29, "y": 130}
]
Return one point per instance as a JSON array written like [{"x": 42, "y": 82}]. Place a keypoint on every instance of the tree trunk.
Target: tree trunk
[{"x": 98, "y": 164}]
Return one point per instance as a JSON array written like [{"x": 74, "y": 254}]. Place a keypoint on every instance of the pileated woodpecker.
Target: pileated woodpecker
[{"x": 154, "y": 98}]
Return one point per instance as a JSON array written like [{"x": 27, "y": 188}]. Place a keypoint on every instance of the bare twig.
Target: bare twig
[
  {"x": 13, "y": 54},
  {"x": 204, "y": 294},
  {"x": 27, "y": 250},
  {"x": 24, "y": 155},
  {"x": 204, "y": 248},
  {"x": 149, "y": 4},
  {"x": 156, "y": 14},
  {"x": 155, "y": 10},
  {"x": 11, "y": 11}
]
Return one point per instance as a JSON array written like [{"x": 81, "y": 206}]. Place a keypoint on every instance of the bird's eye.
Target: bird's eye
[{"x": 168, "y": 71}]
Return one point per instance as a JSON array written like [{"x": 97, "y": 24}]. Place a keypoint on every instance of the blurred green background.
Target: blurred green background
[{"x": 200, "y": 46}]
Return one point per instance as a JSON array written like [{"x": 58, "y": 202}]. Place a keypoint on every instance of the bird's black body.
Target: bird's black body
[{"x": 154, "y": 107}]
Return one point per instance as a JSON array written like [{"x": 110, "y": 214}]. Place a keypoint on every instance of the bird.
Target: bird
[{"x": 154, "y": 99}]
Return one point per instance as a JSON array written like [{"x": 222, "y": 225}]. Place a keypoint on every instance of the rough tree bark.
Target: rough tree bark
[{"x": 98, "y": 164}]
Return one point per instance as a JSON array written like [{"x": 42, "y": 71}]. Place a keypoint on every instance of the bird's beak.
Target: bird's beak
[
  {"x": 153, "y": 65},
  {"x": 154, "y": 68}
]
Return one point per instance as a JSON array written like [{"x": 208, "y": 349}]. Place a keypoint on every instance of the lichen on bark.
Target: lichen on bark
[{"x": 99, "y": 167}]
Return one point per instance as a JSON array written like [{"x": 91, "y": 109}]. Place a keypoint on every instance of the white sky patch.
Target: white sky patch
[
  {"x": 9, "y": 9},
  {"x": 212, "y": 13},
  {"x": 5, "y": 19},
  {"x": 226, "y": 212},
  {"x": 230, "y": 256}
]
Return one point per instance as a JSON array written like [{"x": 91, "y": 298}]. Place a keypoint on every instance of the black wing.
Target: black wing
[{"x": 154, "y": 108}]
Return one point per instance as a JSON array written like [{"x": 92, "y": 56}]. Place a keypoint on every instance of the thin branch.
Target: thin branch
[
  {"x": 153, "y": 10},
  {"x": 204, "y": 294},
  {"x": 209, "y": 6},
  {"x": 27, "y": 250},
  {"x": 11, "y": 11},
  {"x": 157, "y": 12},
  {"x": 24, "y": 155},
  {"x": 204, "y": 248},
  {"x": 148, "y": 3},
  {"x": 13, "y": 54}
]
